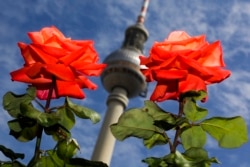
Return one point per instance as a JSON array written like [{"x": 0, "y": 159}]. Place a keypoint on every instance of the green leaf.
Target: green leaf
[
  {"x": 136, "y": 123},
  {"x": 156, "y": 139},
  {"x": 58, "y": 132},
  {"x": 155, "y": 162},
  {"x": 44, "y": 119},
  {"x": 193, "y": 136},
  {"x": 10, "y": 154},
  {"x": 195, "y": 95},
  {"x": 193, "y": 157},
  {"x": 157, "y": 113},
  {"x": 11, "y": 164},
  {"x": 23, "y": 129},
  {"x": 78, "y": 162},
  {"x": 11, "y": 101},
  {"x": 229, "y": 132},
  {"x": 44, "y": 161},
  {"x": 67, "y": 148},
  {"x": 83, "y": 112},
  {"x": 72, "y": 162},
  {"x": 55, "y": 159},
  {"x": 183, "y": 160},
  {"x": 48, "y": 159},
  {"x": 67, "y": 118},
  {"x": 162, "y": 119},
  {"x": 192, "y": 111},
  {"x": 200, "y": 154}
]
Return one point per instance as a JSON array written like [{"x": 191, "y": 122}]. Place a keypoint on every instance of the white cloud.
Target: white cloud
[{"x": 232, "y": 95}]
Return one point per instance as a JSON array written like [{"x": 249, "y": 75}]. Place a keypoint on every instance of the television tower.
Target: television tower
[{"x": 123, "y": 79}]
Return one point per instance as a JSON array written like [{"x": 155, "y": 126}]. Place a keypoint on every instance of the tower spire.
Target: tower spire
[{"x": 142, "y": 15}]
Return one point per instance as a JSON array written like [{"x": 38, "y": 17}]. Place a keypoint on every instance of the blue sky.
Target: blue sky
[{"x": 105, "y": 23}]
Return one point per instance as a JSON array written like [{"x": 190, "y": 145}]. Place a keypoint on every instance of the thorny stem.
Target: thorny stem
[
  {"x": 40, "y": 128},
  {"x": 178, "y": 129}
]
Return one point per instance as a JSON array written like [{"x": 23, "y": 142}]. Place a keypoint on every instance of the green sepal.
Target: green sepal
[
  {"x": 229, "y": 132},
  {"x": 193, "y": 136},
  {"x": 82, "y": 112},
  {"x": 23, "y": 129},
  {"x": 11, "y": 101}
]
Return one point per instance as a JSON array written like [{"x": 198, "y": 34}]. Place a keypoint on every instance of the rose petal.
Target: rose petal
[
  {"x": 39, "y": 55},
  {"x": 192, "y": 83},
  {"x": 166, "y": 75},
  {"x": 21, "y": 76},
  {"x": 165, "y": 91},
  {"x": 212, "y": 55},
  {"x": 84, "y": 82},
  {"x": 219, "y": 75},
  {"x": 87, "y": 68},
  {"x": 70, "y": 89},
  {"x": 60, "y": 71},
  {"x": 42, "y": 91},
  {"x": 73, "y": 56},
  {"x": 35, "y": 70}
]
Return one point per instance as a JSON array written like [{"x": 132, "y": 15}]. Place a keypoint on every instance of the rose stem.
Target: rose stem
[
  {"x": 40, "y": 128},
  {"x": 178, "y": 129}
]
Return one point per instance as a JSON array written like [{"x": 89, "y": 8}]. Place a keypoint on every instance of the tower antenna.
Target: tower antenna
[{"x": 142, "y": 15}]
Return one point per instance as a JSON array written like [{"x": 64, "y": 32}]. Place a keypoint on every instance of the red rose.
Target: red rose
[
  {"x": 182, "y": 63},
  {"x": 51, "y": 55}
]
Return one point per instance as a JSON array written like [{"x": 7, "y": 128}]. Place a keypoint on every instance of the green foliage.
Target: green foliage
[
  {"x": 58, "y": 132},
  {"x": 11, "y": 101},
  {"x": 229, "y": 132},
  {"x": 23, "y": 129},
  {"x": 138, "y": 123},
  {"x": 192, "y": 111},
  {"x": 80, "y": 162},
  {"x": 28, "y": 118},
  {"x": 51, "y": 159},
  {"x": 67, "y": 148},
  {"x": 82, "y": 112},
  {"x": 12, "y": 164},
  {"x": 155, "y": 139},
  {"x": 10, "y": 154},
  {"x": 194, "y": 157},
  {"x": 56, "y": 121},
  {"x": 67, "y": 117},
  {"x": 158, "y": 114},
  {"x": 193, "y": 136},
  {"x": 151, "y": 123},
  {"x": 195, "y": 95},
  {"x": 42, "y": 118}
]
